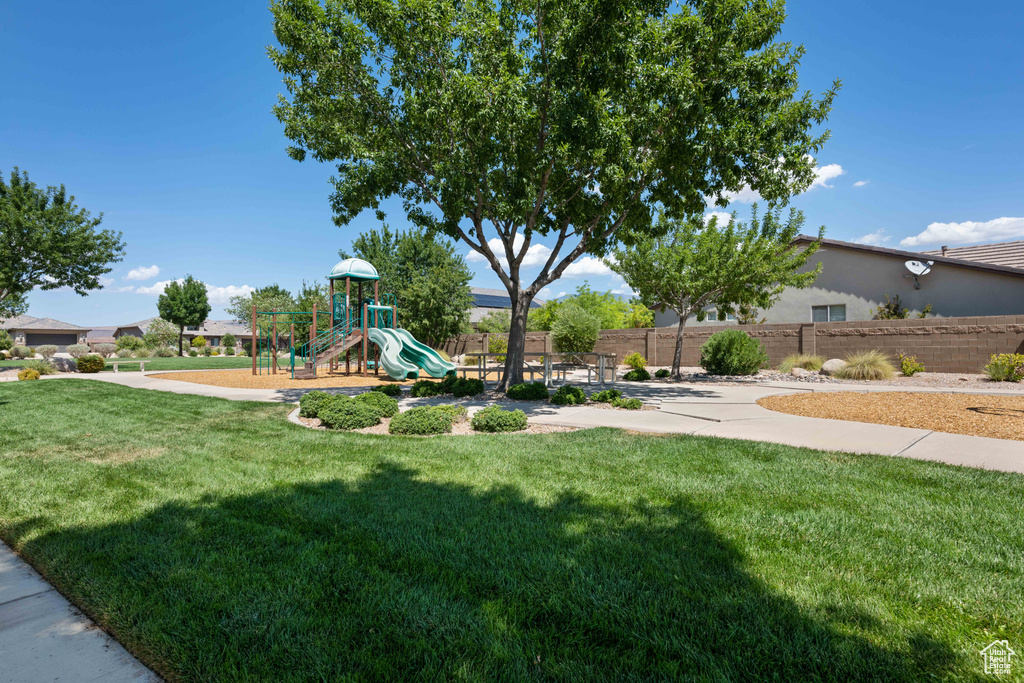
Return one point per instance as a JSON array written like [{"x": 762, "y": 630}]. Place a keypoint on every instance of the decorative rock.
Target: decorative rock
[
  {"x": 831, "y": 366},
  {"x": 800, "y": 372}
]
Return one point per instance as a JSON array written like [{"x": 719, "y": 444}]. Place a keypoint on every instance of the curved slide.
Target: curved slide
[{"x": 402, "y": 356}]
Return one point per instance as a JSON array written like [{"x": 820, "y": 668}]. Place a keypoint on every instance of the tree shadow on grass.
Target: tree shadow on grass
[{"x": 396, "y": 577}]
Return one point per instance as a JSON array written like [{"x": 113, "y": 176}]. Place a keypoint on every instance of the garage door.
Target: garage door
[{"x": 61, "y": 341}]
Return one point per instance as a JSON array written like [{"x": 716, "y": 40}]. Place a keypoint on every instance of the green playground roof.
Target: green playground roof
[{"x": 355, "y": 269}]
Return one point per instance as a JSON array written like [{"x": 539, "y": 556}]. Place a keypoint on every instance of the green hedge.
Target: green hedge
[
  {"x": 385, "y": 406},
  {"x": 497, "y": 419},
  {"x": 310, "y": 403},
  {"x": 342, "y": 412},
  {"x": 422, "y": 421}
]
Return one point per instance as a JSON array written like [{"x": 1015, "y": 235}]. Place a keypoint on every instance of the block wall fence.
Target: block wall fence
[{"x": 942, "y": 344}]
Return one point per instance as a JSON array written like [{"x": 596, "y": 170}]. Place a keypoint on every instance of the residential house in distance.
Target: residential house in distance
[
  {"x": 211, "y": 330},
  {"x": 856, "y": 279},
  {"x": 487, "y": 300},
  {"x": 33, "y": 332}
]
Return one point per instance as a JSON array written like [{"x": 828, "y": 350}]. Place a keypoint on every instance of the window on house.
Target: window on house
[{"x": 828, "y": 314}]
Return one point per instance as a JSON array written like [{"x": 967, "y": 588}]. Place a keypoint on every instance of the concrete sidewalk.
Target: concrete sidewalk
[{"x": 44, "y": 638}]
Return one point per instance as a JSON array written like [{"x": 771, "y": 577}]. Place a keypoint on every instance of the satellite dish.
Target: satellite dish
[{"x": 918, "y": 269}]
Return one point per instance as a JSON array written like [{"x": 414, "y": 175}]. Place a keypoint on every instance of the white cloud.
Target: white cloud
[
  {"x": 157, "y": 288},
  {"x": 128, "y": 288},
  {"x": 967, "y": 232},
  {"x": 876, "y": 238},
  {"x": 823, "y": 174},
  {"x": 106, "y": 281},
  {"x": 143, "y": 273},
  {"x": 625, "y": 291},
  {"x": 722, "y": 216},
  {"x": 217, "y": 296},
  {"x": 587, "y": 265},
  {"x": 536, "y": 255},
  {"x": 861, "y": 183}
]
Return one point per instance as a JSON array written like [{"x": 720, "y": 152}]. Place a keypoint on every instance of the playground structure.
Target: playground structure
[{"x": 352, "y": 325}]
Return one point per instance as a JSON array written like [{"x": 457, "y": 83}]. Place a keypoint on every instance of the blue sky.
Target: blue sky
[{"x": 161, "y": 120}]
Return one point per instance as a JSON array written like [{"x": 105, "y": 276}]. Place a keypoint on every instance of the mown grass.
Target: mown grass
[{"x": 217, "y": 541}]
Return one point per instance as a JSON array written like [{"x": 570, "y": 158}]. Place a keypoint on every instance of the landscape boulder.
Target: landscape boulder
[
  {"x": 831, "y": 366},
  {"x": 800, "y": 372}
]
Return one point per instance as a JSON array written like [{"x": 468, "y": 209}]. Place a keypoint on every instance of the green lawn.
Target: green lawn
[
  {"x": 217, "y": 541},
  {"x": 179, "y": 363}
]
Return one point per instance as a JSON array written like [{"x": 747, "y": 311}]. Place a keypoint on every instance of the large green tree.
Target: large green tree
[
  {"x": 730, "y": 266},
  {"x": 429, "y": 279},
  {"x": 269, "y": 298},
  {"x": 48, "y": 241},
  {"x": 504, "y": 122},
  {"x": 184, "y": 304}
]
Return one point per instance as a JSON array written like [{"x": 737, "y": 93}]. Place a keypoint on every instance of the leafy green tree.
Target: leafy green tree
[
  {"x": 184, "y": 304},
  {"x": 311, "y": 294},
  {"x": 270, "y": 298},
  {"x": 503, "y": 123},
  {"x": 159, "y": 333},
  {"x": 47, "y": 241},
  {"x": 609, "y": 309},
  {"x": 6, "y": 343},
  {"x": 499, "y": 321},
  {"x": 429, "y": 280},
  {"x": 732, "y": 267},
  {"x": 638, "y": 316},
  {"x": 228, "y": 341}
]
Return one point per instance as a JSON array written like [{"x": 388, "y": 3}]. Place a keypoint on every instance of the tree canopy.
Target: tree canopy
[
  {"x": 184, "y": 304},
  {"x": 502, "y": 123},
  {"x": 48, "y": 241},
  {"x": 733, "y": 267},
  {"x": 612, "y": 311}
]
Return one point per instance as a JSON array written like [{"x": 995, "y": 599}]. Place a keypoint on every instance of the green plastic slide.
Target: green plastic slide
[{"x": 402, "y": 356}]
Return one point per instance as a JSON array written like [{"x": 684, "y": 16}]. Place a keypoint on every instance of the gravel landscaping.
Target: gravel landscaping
[
  {"x": 1000, "y": 417},
  {"x": 951, "y": 380}
]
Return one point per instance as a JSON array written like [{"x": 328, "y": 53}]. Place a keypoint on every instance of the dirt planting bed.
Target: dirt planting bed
[{"x": 1000, "y": 417}]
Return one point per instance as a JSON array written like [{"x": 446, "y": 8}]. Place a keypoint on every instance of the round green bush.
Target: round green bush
[
  {"x": 78, "y": 350},
  {"x": 628, "y": 403},
  {"x": 310, "y": 402},
  {"x": 90, "y": 363},
  {"x": 389, "y": 389},
  {"x": 606, "y": 396},
  {"x": 342, "y": 412},
  {"x": 421, "y": 421},
  {"x": 662, "y": 374},
  {"x": 193, "y": 353},
  {"x": 47, "y": 351},
  {"x": 569, "y": 396},
  {"x": 21, "y": 352},
  {"x": 575, "y": 330},
  {"x": 497, "y": 419},
  {"x": 467, "y": 387},
  {"x": 28, "y": 374},
  {"x": 229, "y": 351},
  {"x": 454, "y": 412},
  {"x": 639, "y": 375},
  {"x": 206, "y": 351},
  {"x": 426, "y": 388},
  {"x": 384, "y": 405},
  {"x": 229, "y": 341},
  {"x": 528, "y": 391},
  {"x": 732, "y": 352}
]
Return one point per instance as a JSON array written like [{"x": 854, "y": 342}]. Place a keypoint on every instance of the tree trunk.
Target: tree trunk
[
  {"x": 516, "y": 342},
  {"x": 677, "y": 356},
  {"x": 181, "y": 337}
]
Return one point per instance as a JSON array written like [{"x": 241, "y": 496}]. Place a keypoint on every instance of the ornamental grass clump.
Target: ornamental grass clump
[
  {"x": 807, "y": 361},
  {"x": 866, "y": 365},
  {"x": 497, "y": 419},
  {"x": 43, "y": 367}
]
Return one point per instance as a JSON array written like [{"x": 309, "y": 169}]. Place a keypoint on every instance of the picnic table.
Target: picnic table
[{"x": 552, "y": 371}]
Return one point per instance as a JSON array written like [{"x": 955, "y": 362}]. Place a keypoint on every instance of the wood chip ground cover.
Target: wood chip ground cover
[
  {"x": 1000, "y": 417},
  {"x": 244, "y": 379}
]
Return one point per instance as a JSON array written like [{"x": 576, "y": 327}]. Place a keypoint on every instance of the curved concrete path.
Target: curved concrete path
[{"x": 706, "y": 410}]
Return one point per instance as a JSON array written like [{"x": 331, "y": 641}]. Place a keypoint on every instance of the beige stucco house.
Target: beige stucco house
[
  {"x": 33, "y": 332},
  {"x": 212, "y": 331}
]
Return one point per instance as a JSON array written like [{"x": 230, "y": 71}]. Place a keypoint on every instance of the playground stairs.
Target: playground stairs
[{"x": 325, "y": 356}]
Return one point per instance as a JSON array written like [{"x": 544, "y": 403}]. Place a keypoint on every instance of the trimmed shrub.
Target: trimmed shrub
[
  {"x": 909, "y": 365},
  {"x": 198, "y": 342},
  {"x": 28, "y": 374},
  {"x": 193, "y": 353},
  {"x": 425, "y": 388},
  {"x": 465, "y": 386},
  {"x": 124, "y": 353},
  {"x": 47, "y": 351},
  {"x": 1005, "y": 367},
  {"x": 342, "y": 412},
  {"x": 389, "y": 389},
  {"x": 207, "y": 351},
  {"x": 310, "y": 402},
  {"x": 228, "y": 340},
  {"x": 606, "y": 396},
  {"x": 628, "y": 403},
  {"x": 807, "y": 361},
  {"x": 635, "y": 361},
  {"x": 662, "y": 374},
  {"x": 104, "y": 350},
  {"x": 214, "y": 352},
  {"x": 569, "y": 396},
  {"x": 528, "y": 391},
  {"x": 21, "y": 352},
  {"x": 637, "y": 376},
  {"x": 871, "y": 365},
  {"x": 421, "y": 421},
  {"x": 90, "y": 363},
  {"x": 43, "y": 367},
  {"x": 5, "y": 341},
  {"x": 165, "y": 352},
  {"x": 732, "y": 352},
  {"x": 497, "y": 419},
  {"x": 247, "y": 348},
  {"x": 447, "y": 382},
  {"x": 455, "y": 412},
  {"x": 383, "y": 405},
  {"x": 78, "y": 350},
  {"x": 229, "y": 351},
  {"x": 575, "y": 330},
  {"x": 127, "y": 341}
]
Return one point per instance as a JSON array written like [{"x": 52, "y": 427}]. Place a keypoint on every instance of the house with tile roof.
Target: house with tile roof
[
  {"x": 211, "y": 330},
  {"x": 29, "y": 331},
  {"x": 856, "y": 279}
]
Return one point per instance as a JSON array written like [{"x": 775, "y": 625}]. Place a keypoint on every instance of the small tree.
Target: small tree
[
  {"x": 198, "y": 342},
  {"x": 270, "y": 298},
  {"x": 575, "y": 331},
  {"x": 228, "y": 341},
  {"x": 159, "y": 333},
  {"x": 499, "y": 321},
  {"x": 184, "y": 304},
  {"x": 731, "y": 267},
  {"x": 5, "y": 341},
  {"x": 47, "y": 241},
  {"x": 638, "y": 316}
]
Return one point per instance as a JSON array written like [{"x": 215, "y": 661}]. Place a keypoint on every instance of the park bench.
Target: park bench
[{"x": 120, "y": 361}]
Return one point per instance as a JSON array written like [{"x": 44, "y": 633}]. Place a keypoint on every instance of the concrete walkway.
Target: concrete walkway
[
  {"x": 44, "y": 638},
  {"x": 708, "y": 409}
]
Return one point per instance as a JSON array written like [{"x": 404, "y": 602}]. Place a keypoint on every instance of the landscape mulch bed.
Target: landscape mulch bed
[
  {"x": 1000, "y": 417},
  {"x": 244, "y": 379}
]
